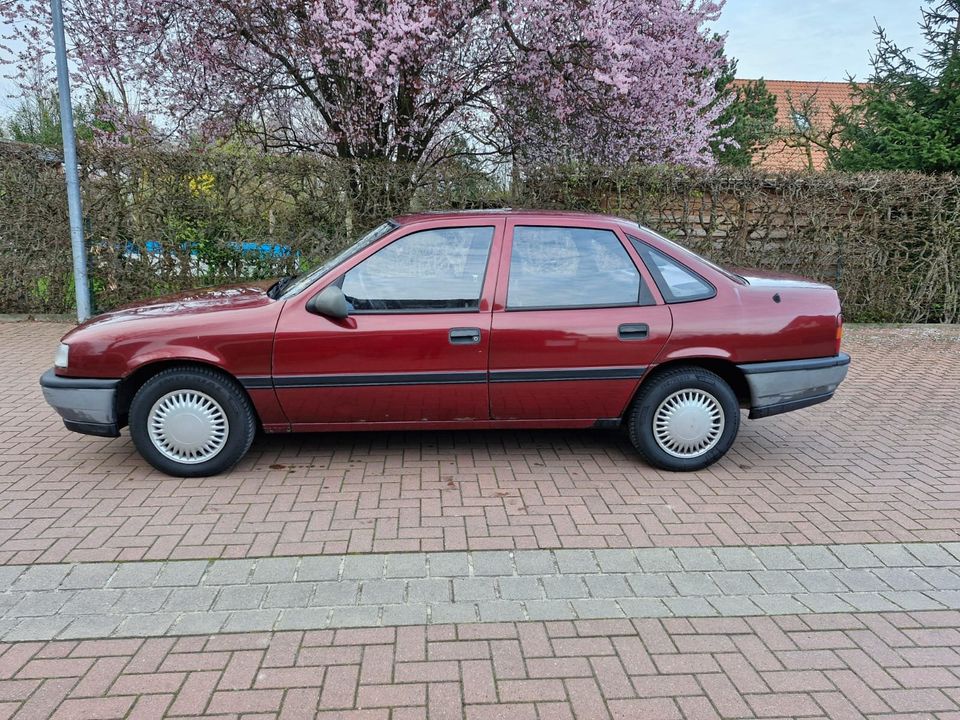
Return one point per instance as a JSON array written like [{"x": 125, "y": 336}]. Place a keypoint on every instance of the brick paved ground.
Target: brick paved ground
[
  {"x": 838, "y": 666},
  {"x": 877, "y": 464},
  {"x": 856, "y": 618}
]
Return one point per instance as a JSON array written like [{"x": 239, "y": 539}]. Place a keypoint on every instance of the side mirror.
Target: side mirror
[{"x": 329, "y": 302}]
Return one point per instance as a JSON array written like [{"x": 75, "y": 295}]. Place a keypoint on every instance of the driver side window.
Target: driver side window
[{"x": 429, "y": 271}]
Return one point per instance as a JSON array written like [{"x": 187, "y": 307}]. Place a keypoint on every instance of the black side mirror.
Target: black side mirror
[{"x": 329, "y": 302}]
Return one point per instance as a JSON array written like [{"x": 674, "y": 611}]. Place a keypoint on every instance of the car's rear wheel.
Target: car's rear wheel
[
  {"x": 191, "y": 422},
  {"x": 684, "y": 419}
]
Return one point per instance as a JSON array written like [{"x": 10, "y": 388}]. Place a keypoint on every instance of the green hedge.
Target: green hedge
[{"x": 160, "y": 222}]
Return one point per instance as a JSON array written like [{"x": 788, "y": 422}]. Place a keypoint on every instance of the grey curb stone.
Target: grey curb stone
[{"x": 147, "y": 599}]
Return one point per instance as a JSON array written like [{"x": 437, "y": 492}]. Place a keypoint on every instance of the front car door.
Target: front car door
[
  {"x": 415, "y": 345},
  {"x": 575, "y": 323}
]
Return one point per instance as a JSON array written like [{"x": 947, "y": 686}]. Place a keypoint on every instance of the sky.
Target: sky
[
  {"x": 786, "y": 39},
  {"x": 818, "y": 40}
]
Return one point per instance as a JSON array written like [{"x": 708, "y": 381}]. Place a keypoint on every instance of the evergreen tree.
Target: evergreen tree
[
  {"x": 908, "y": 117},
  {"x": 748, "y": 124}
]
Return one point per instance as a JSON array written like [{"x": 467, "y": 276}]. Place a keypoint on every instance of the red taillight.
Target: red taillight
[{"x": 836, "y": 350}]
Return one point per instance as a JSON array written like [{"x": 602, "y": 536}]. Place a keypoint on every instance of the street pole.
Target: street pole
[{"x": 70, "y": 165}]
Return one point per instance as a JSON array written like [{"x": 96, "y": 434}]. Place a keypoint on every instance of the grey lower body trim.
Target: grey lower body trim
[
  {"x": 86, "y": 406},
  {"x": 782, "y": 387}
]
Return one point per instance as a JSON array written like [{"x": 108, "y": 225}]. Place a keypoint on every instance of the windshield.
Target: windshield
[
  {"x": 681, "y": 249},
  {"x": 307, "y": 279}
]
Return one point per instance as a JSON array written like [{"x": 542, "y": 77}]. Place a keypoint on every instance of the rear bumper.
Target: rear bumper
[
  {"x": 782, "y": 386},
  {"x": 87, "y": 405}
]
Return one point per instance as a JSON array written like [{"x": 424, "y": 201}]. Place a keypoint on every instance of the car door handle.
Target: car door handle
[
  {"x": 465, "y": 336},
  {"x": 639, "y": 331}
]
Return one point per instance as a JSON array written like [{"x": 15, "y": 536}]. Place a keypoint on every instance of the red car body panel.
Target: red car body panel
[{"x": 542, "y": 368}]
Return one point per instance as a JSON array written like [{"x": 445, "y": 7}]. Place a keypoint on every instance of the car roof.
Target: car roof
[{"x": 504, "y": 212}]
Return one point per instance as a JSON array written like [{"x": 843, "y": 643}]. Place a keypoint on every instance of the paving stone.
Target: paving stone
[
  {"x": 868, "y": 602},
  {"x": 861, "y": 580},
  {"x": 382, "y": 592},
  {"x": 406, "y": 614},
  {"x": 947, "y": 598},
  {"x": 776, "y": 581},
  {"x": 252, "y": 620},
  {"x": 816, "y": 557},
  {"x": 229, "y": 572},
  {"x": 35, "y": 604},
  {"x": 686, "y": 583},
  {"x": 88, "y": 576},
  {"x": 549, "y": 610},
  {"x": 135, "y": 575},
  {"x": 187, "y": 572},
  {"x": 901, "y": 579},
  {"x": 534, "y": 562},
  {"x": 141, "y": 600},
  {"x": 931, "y": 554},
  {"x": 500, "y": 611},
  {"x": 520, "y": 588},
  {"x": 642, "y": 607},
  {"x": 778, "y": 604},
  {"x": 473, "y": 589},
  {"x": 429, "y": 590},
  {"x": 444, "y": 613},
  {"x": 190, "y": 599},
  {"x": 40, "y": 577},
  {"x": 617, "y": 561},
  {"x": 90, "y": 602},
  {"x": 940, "y": 577},
  {"x": 594, "y": 608},
  {"x": 336, "y": 593},
  {"x": 734, "y": 606},
  {"x": 818, "y": 580},
  {"x": 893, "y": 555},
  {"x": 9, "y": 574},
  {"x": 657, "y": 560},
  {"x": 366, "y": 616},
  {"x": 856, "y": 556},
  {"x": 648, "y": 585},
  {"x": 777, "y": 558},
  {"x": 576, "y": 561},
  {"x": 562, "y": 587},
  {"x": 148, "y": 625},
  {"x": 492, "y": 563},
  {"x": 275, "y": 570},
  {"x": 362, "y": 567},
  {"x": 697, "y": 559},
  {"x": 407, "y": 565},
  {"x": 449, "y": 564},
  {"x": 689, "y": 606},
  {"x": 240, "y": 597},
  {"x": 912, "y": 601},
  {"x": 824, "y": 603},
  {"x": 37, "y": 628},
  {"x": 315, "y": 618},
  {"x": 288, "y": 595},
  {"x": 607, "y": 586},
  {"x": 737, "y": 558},
  {"x": 736, "y": 583},
  {"x": 319, "y": 568},
  {"x": 204, "y": 623},
  {"x": 90, "y": 626}
]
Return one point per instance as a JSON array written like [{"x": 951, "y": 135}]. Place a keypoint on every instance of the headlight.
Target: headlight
[{"x": 62, "y": 357}]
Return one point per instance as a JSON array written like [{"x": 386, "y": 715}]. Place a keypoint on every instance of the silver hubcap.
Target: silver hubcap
[
  {"x": 188, "y": 426},
  {"x": 688, "y": 423}
]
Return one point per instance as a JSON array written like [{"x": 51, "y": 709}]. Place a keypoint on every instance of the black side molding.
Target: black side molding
[
  {"x": 88, "y": 428},
  {"x": 53, "y": 381}
]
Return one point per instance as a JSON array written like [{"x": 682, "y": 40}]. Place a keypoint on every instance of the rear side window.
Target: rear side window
[
  {"x": 676, "y": 281},
  {"x": 557, "y": 267}
]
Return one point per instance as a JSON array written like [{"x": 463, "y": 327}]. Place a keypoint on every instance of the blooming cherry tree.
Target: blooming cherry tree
[{"x": 404, "y": 80}]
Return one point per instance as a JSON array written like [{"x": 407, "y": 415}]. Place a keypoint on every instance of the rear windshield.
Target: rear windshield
[{"x": 681, "y": 250}]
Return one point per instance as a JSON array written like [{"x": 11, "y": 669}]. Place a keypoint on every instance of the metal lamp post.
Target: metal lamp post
[{"x": 70, "y": 166}]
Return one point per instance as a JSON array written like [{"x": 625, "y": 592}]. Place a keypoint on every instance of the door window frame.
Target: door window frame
[
  {"x": 335, "y": 276},
  {"x": 500, "y": 301}
]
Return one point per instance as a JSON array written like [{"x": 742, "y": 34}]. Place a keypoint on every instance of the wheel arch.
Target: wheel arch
[
  {"x": 728, "y": 372},
  {"x": 131, "y": 383}
]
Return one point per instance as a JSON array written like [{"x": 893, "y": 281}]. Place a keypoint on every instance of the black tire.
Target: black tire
[
  {"x": 653, "y": 392},
  {"x": 241, "y": 422}
]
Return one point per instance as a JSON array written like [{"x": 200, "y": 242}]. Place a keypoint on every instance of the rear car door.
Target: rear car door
[
  {"x": 415, "y": 345},
  {"x": 575, "y": 323}
]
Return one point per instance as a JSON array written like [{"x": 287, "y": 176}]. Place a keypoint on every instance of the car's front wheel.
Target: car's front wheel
[
  {"x": 191, "y": 422},
  {"x": 684, "y": 419}
]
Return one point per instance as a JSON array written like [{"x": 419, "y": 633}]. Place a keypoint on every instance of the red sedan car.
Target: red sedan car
[{"x": 485, "y": 319}]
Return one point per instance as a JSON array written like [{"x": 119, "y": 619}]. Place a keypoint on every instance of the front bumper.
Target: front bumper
[
  {"x": 87, "y": 405},
  {"x": 782, "y": 386}
]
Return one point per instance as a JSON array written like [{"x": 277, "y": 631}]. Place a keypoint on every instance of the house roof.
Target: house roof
[{"x": 824, "y": 95}]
